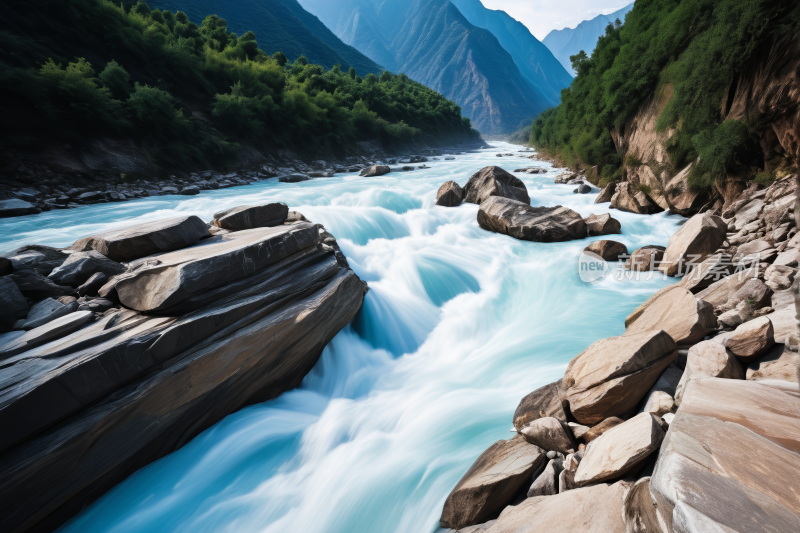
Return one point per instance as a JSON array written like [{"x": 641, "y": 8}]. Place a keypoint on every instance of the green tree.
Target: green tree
[
  {"x": 117, "y": 80},
  {"x": 281, "y": 58}
]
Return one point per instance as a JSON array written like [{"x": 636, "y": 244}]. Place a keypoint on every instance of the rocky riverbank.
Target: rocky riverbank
[
  {"x": 33, "y": 187},
  {"x": 124, "y": 346},
  {"x": 689, "y": 421}
]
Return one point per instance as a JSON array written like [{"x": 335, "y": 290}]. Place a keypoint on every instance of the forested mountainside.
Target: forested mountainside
[
  {"x": 279, "y": 25},
  {"x": 435, "y": 44},
  {"x": 569, "y": 41},
  {"x": 85, "y": 72},
  {"x": 536, "y": 62},
  {"x": 698, "y": 96}
]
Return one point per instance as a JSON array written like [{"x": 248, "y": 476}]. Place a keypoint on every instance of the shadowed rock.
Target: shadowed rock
[
  {"x": 602, "y": 225},
  {"x": 12, "y": 303},
  {"x": 549, "y": 434},
  {"x": 375, "y": 170},
  {"x": 48, "y": 332},
  {"x": 33, "y": 284},
  {"x": 702, "y": 235},
  {"x": 627, "y": 198},
  {"x": 450, "y": 194},
  {"x": 491, "y": 483},
  {"x": 247, "y": 217},
  {"x": 639, "y": 512},
  {"x": 546, "y": 483},
  {"x": 134, "y": 242},
  {"x": 607, "y": 193},
  {"x": 494, "y": 181},
  {"x": 14, "y": 207},
  {"x": 544, "y": 401},
  {"x": 80, "y": 266},
  {"x": 521, "y": 221},
  {"x": 610, "y": 251},
  {"x": 779, "y": 363},
  {"x": 42, "y": 259},
  {"x": 596, "y": 431}
]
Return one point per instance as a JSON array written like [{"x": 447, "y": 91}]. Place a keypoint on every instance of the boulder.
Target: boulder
[
  {"x": 251, "y": 216},
  {"x": 639, "y": 511},
  {"x": 42, "y": 259},
  {"x": 375, "y": 170},
  {"x": 584, "y": 510},
  {"x": 612, "y": 375},
  {"x": 80, "y": 266},
  {"x": 494, "y": 181},
  {"x": 491, "y": 483},
  {"x": 710, "y": 270},
  {"x": 190, "y": 191},
  {"x": 708, "y": 359},
  {"x": 33, "y": 284},
  {"x": 48, "y": 332},
  {"x": 658, "y": 403},
  {"x": 450, "y": 194},
  {"x": 607, "y": 193},
  {"x": 700, "y": 236},
  {"x": 645, "y": 259},
  {"x": 583, "y": 188},
  {"x": 681, "y": 198},
  {"x": 779, "y": 278},
  {"x": 754, "y": 293},
  {"x": 611, "y": 251},
  {"x": 91, "y": 196},
  {"x": 719, "y": 292},
  {"x": 43, "y": 312},
  {"x": 543, "y": 402},
  {"x": 134, "y": 242},
  {"x": 521, "y": 221},
  {"x": 5, "y": 267},
  {"x": 12, "y": 302},
  {"x": 294, "y": 177},
  {"x": 779, "y": 363},
  {"x": 294, "y": 216},
  {"x": 566, "y": 479},
  {"x": 634, "y": 316},
  {"x": 601, "y": 428},
  {"x": 602, "y": 225},
  {"x": 546, "y": 483},
  {"x": 730, "y": 459},
  {"x": 93, "y": 284},
  {"x": 549, "y": 433},
  {"x": 620, "y": 450},
  {"x": 14, "y": 207},
  {"x": 667, "y": 383},
  {"x": 685, "y": 318},
  {"x": 627, "y": 198},
  {"x": 751, "y": 340}
]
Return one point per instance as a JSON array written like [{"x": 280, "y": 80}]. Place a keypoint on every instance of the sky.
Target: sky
[{"x": 542, "y": 16}]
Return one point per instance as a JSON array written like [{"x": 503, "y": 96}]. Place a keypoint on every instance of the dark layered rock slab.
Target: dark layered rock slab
[
  {"x": 127, "y": 244},
  {"x": 521, "y": 221},
  {"x": 252, "y": 216}
]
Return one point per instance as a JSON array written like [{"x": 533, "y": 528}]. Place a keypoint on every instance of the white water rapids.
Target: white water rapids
[{"x": 458, "y": 326}]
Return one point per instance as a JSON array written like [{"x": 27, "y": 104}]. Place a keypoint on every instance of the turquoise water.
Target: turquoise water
[{"x": 458, "y": 326}]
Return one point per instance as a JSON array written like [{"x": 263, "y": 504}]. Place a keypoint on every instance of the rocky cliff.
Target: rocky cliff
[{"x": 128, "y": 344}]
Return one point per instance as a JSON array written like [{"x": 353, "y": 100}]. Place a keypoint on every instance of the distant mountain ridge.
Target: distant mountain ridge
[
  {"x": 455, "y": 53},
  {"x": 569, "y": 41},
  {"x": 279, "y": 25}
]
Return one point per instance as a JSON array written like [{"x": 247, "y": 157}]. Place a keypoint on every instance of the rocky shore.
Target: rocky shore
[
  {"x": 125, "y": 345},
  {"x": 689, "y": 421},
  {"x": 33, "y": 187}
]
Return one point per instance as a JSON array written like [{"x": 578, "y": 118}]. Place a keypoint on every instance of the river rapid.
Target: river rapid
[{"x": 459, "y": 324}]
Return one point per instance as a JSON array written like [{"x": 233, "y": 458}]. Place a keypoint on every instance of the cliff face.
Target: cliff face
[
  {"x": 765, "y": 95},
  {"x": 249, "y": 314}
]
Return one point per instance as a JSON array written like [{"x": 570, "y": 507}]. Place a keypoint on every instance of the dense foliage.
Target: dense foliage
[
  {"x": 690, "y": 48},
  {"x": 191, "y": 93}
]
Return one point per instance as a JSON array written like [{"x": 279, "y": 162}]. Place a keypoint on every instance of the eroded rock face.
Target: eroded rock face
[
  {"x": 607, "y": 193},
  {"x": 707, "y": 477},
  {"x": 628, "y": 198},
  {"x": 450, "y": 194},
  {"x": 543, "y": 402},
  {"x": 584, "y": 510},
  {"x": 492, "y": 482},
  {"x": 602, "y": 225},
  {"x": 611, "y": 251},
  {"x": 612, "y": 375},
  {"x": 521, "y": 221},
  {"x": 702, "y": 235},
  {"x": 167, "y": 280},
  {"x": 127, "y": 244},
  {"x": 708, "y": 359},
  {"x": 247, "y": 217},
  {"x": 494, "y": 181},
  {"x": 620, "y": 450},
  {"x": 685, "y": 318}
]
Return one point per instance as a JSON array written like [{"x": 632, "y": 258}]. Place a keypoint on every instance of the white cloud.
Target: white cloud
[{"x": 542, "y": 16}]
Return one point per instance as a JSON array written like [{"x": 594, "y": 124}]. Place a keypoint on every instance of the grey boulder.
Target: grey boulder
[
  {"x": 80, "y": 266},
  {"x": 252, "y": 216},
  {"x": 14, "y": 207},
  {"x": 494, "y": 181},
  {"x": 521, "y": 221}
]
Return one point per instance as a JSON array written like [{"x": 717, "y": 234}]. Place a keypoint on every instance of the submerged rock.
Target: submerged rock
[
  {"x": 521, "y": 221},
  {"x": 494, "y": 181}
]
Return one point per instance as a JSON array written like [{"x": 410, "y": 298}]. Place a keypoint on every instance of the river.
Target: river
[{"x": 459, "y": 324}]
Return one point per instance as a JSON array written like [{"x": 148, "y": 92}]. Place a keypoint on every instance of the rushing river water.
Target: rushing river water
[{"x": 458, "y": 326}]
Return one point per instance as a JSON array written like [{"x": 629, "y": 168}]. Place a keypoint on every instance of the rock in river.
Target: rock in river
[
  {"x": 602, "y": 225},
  {"x": 543, "y": 402},
  {"x": 252, "y": 216},
  {"x": 450, "y": 194},
  {"x": 375, "y": 170},
  {"x": 611, "y": 251},
  {"x": 521, "y": 221},
  {"x": 494, "y": 181},
  {"x": 15, "y": 207}
]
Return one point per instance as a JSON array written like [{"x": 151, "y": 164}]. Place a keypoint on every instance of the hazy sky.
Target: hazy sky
[{"x": 541, "y": 16}]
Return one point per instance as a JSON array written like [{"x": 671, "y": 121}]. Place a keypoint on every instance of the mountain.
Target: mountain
[
  {"x": 279, "y": 25},
  {"x": 434, "y": 43},
  {"x": 536, "y": 62},
  {"x": 568, "y": 42}
]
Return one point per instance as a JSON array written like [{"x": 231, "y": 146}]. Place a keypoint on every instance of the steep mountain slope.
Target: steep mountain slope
[
  {"x": 279, "y": 25},
  {"x": 435, "y": 44},
  {"x": 568, "y": 42},
  {"x": 535, "y": 61}
]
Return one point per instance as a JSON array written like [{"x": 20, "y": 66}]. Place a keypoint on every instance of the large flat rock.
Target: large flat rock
[
  {"x": 586, "y": 510},
  {"x": 612, "y": 375},
  {"x": 492, "y": 482},
  {"x": 134, "y": 242},
  {"x": 166, "y": 280},
  {"x": 702, "y": 235},
  {"x": 521, "y": 221},
  {"x": 730, "y": 459}
]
